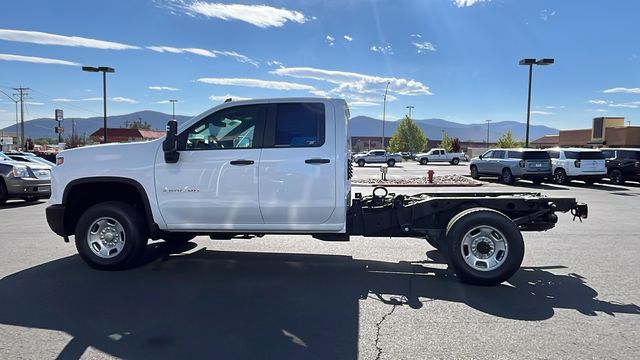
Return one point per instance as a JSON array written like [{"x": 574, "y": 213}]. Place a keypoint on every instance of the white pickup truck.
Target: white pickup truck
[
  {"x": 377, "y": 157},
  {"x": 439, "y": 155},
  {"x": 276, "y": 166}
]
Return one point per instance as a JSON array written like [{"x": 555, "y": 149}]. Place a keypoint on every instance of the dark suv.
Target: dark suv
[{"x": 622, "y": 165}]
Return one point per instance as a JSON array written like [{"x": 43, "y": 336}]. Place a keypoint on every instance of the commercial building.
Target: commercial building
[
  {"x": 126, "y": 135},
  {"x": 605, "y": 131}
]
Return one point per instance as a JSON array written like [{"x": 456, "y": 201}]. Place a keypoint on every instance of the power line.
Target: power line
[{"x": 22, "y": 92}]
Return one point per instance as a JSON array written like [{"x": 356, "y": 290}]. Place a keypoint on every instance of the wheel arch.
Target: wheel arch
[{"x": 80, "y": 194}]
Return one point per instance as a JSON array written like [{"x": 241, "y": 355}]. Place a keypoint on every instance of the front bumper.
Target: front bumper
[
  {"x": 55, "y": 219},
  {"x": 19, "y": 187}
]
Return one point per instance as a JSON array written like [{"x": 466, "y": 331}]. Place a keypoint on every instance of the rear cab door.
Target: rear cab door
[{"x": 298, "y": 164}]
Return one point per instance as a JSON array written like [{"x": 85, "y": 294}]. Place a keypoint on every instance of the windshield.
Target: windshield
[{"x": 4, "y": 157}]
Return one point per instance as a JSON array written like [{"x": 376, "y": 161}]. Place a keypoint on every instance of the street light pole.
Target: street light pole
[
  {"x": 488, "y": 121},
  {"x": 409, "y": 107},
  {"x": 384, "y": 111},
  {"x": 173, "y": 104},
  {"x": 104, "y": 70},
  {"x": 530, "y": 63}
]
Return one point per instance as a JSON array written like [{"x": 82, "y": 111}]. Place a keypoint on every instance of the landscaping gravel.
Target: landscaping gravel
[{"x": 449, "y": 180}]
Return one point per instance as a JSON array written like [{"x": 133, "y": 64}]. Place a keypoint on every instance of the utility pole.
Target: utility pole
[
  {"x": 22, "y": 92},
  {"x": 173, "y": 103},
  {"x": 409, "y": 107},
  {"x": 384, "y": 111}
]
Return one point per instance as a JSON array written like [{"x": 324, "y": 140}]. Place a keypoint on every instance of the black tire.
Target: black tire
[
  {"x": 4, "y": 194},
  {"x": 177, "y": 238},
  {"x": 424, "y": 161},
  {"x": 361, "y": 162},
  {"x": 474, "y": 172},
  {"x": 560, "y": 177},
  {"x": 455, "y": 161},
  {"x": 507, "y": 176},
  {"x": 391, "y": 162},
  {"x": 135, "y": 235},
  {"x": 617, "y": 177},
  {"x": 501, "y": 229}
]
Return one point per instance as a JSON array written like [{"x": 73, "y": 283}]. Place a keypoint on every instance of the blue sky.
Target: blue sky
[{"x": 451, "y": 59}]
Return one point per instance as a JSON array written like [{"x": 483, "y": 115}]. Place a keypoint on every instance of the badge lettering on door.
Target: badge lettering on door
[{"x": 186, "y": 189}]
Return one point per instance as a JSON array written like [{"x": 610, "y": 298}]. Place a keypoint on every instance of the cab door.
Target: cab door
[
  {"x": 298, "y": 165},
  {"x": 214, "y": 184}
]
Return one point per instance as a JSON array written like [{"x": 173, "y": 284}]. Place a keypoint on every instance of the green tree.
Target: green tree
[
  {"x": 455, "y": 145},
  {"x": 507, "y": 140},
  {"x": 446, "y": 143},
  {"x": 408, "y": 137},
  {"x": 139, "y": 124}
]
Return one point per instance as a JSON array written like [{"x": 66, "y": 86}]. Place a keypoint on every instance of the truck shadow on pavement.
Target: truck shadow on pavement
[
  {"x": 20, "y": 204},
  {"x": 258, "y": 305}
]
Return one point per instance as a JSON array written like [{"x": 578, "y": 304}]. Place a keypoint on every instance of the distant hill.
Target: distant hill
[
  {"x": 360, "y": 126},
  {"x": 367, "y": 126},
  {"x": 44, "y": 127}
]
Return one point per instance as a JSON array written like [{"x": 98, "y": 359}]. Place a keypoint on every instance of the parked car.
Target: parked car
[
  {"x": 30, "y": 159},
  {"x": 577, "y": 164},
  {"x": 377, "y": 157},
  {"x": 512, "y": 164},
  {"x": 622, "y": 164},
  {"x": 439, "y": 155},
  {"x": 29, "y": 182}
]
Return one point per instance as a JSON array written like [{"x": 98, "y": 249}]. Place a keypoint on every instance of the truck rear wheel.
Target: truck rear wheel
[
  {"x": 391, "y": 162},
  {"x": 109, "y": 236},
  {"x": 455, "y": 161},
  {"x": 483, "y": 246},
  {"x": 615, "y": 176},
  {"x": 424, "y": 161},
  {"x": 361, "y": 162}
]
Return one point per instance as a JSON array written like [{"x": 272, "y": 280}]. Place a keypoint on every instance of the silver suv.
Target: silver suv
[
  {"x": 29, "y": 182},
  {"x": 512, "y": 164}
]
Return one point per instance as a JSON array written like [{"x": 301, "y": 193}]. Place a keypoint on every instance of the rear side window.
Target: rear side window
[
  {"x": 498, "y": 154},
  {"x": 535, "y": 155},
  {"x": 515, "y": 155},
  {"x": 609, "y": 154},
  {"x": 635, "y": 155},
  {"x": 554, "y": 154},
  {"x": 590, "y": 155},
  {"x": 300, "y": 125}
]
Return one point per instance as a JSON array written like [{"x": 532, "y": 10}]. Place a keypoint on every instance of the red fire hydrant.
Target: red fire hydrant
[{"x": 430, "y": 176}]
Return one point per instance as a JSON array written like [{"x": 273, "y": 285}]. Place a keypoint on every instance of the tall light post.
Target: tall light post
[
  {"x": 488, "y": 121},
  {"x": 104, "y": 70},
  {"x": 409, "y": 107},
  {"x": 173, "y": 105},
  {"x": 530, "y": 63},
  {"x": 384, "y": 110}
]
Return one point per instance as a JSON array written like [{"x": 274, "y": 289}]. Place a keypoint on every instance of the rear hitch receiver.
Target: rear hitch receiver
[{"x": 581, "y": 211}]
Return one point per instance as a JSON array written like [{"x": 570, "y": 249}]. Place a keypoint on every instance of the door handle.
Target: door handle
[
  {"x": 241, "y": 162},
  {"x": 317, "y": 161}
]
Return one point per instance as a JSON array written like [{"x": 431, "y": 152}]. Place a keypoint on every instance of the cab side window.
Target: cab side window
[
  {"x": 300, "y": 125},
  {"x": 231, "y": 128}
]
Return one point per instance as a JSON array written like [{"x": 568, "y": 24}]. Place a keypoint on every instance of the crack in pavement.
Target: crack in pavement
[{"x": 379, "y": 326}]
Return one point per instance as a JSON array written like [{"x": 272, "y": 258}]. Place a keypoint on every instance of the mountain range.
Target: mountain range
[{"x": 360, "y": 126}]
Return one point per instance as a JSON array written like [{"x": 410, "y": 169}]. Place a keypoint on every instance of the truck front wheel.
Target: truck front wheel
[
  {"x": 361, "y": 162},
  {"x": 424, "y": 161},
  {"x": 109, "y": 236},
  {"x": 483, "y": 246}
]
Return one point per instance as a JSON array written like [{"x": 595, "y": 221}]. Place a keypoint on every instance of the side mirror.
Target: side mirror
[
  {"x": 170, "y": 144},
  {"x": 480, "y": 157}
]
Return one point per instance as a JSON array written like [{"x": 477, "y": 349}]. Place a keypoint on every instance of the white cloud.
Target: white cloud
[
  {"x": 555, "y": 107},
  {"x": 124, "y": 100},
  {"x": 538, "y": 112},
  {"x": 387, "y": 49},
  {"x": 160, "y": 88},
  {"x": 264, "y": 84},
  {"x": 259, "y": 15},
  {"x": 423, "y": 47},
  {"x": 416, "y": 35},
  {"x": 362, "y": 104},
  {"x": 218, "y": 98},
  {"x": 33, "y": 103},
  {"x": 329, "y": 39},
  {"x": 546, "y": 14},
  {"x": 350, "y": 82},
  {"x": 466, "y": 3},
  {"x": 36, "y": 37},
  {"x": 74, "y": 100},
  {"x": 631, "y": 105},
  {"x": 622, "y": 90},
  {"x": 37, "y": 60},
  {"x": 598, "y": 102},
  {"x": 602, "y": 110},
  {"x": 203, "y": 52},
  {"x": 348, "y": 38},
  {"x": 275, "y": 63}
]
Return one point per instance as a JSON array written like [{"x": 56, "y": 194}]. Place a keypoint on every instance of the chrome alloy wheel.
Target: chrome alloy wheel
[
  {"x": 484, "y": 248},
  {"x": 106, "y": 237}
]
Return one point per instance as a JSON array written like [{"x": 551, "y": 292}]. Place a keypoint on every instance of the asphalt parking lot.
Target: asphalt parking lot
[{"x": 576, "y": 296}]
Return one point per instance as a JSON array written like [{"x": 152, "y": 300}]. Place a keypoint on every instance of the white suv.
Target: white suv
[{"x": 577, "y": 164}]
